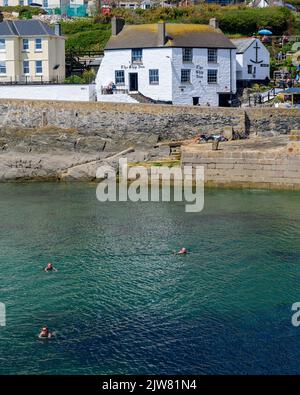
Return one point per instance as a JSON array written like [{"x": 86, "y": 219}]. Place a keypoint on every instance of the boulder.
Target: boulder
[{"x": 228, "y": 132}]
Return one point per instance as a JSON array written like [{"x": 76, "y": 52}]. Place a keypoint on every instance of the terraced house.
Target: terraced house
[
  {"x": 171, "y": 63},
  {"x": 30, "y": 51}
]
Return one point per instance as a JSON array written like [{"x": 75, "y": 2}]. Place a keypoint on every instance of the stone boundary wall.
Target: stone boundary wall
[
  {"x": 113, "y": 119},
  {"x": 166, "y": 121},
  {"x": 248, "y": 169}
]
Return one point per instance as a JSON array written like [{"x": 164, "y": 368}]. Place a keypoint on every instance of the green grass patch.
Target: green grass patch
[
  {"x": 85, "y": 34},
  {"x": 235, "y": 21}
]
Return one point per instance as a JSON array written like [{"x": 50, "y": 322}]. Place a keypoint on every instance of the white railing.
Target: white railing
[{"x": 30, "y": 80}]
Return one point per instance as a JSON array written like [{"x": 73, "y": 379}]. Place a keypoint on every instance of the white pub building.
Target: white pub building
[{"x": 169, "y": 63}]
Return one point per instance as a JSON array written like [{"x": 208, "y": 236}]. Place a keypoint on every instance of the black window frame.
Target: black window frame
[
  {"x": 212, "y": 55},
  {"x": 187, "y": 55},
  {"x": 211, "y": 80},
  {"x": 183, "y": 79}
]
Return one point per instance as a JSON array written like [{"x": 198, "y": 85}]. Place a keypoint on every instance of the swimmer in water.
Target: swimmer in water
[
  {"x": 50, "y": 267},
  {"x": 182, "y": 251},
  {"x": 44, "y": 333}
]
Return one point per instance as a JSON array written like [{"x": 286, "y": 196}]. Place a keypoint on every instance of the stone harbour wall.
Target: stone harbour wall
[
  {"x": 113, "y": 120},
  {"x": 40, "y": 139},
  {"x": 248, "y": 169}
]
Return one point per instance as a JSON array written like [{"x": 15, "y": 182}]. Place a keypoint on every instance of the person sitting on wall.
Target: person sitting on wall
[{"x": 110, "y": 88}]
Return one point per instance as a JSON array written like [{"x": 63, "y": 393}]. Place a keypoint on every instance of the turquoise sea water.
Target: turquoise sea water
[{"x": 122, "y": 303}]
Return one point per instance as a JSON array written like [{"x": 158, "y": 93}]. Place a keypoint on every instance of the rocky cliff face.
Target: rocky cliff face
[{"x": 51, "y": 153}]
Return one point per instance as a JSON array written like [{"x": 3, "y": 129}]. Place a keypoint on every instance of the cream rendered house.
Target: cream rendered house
[{"x": 30, "y": 51}]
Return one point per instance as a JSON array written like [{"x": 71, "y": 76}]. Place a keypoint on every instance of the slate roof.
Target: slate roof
[
  {"x": 177, "y": 35},
  {"x": 242, "y": 44},
  {"x": 25, "y": 28}
]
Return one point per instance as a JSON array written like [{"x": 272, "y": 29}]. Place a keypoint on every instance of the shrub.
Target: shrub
[
  {"x": 23, "y": 10},
  {"x": 93, "y": 33},
  {"x": 88, "y": 76},
  {"x": 74, "y": 79},
  {"x": 233, "y": 19},
  {"x": 249, "y": 21}
]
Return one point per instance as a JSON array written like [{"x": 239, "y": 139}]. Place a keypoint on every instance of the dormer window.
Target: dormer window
[
  {"x": 137, "y": 55},
  {"x": 187, "y": 55}
]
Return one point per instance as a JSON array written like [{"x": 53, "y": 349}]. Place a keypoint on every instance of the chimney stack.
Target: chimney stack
[
  {"x": 57, "y": 29},
  {"x": 161, "y": 33},
  {"x": 213, "y": 22},
  {"x": 117, "y": 25}
]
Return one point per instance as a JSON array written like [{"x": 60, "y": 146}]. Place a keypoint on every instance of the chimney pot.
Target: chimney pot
[
  {"x": 213, "y": 22},
  {"x": 117, "y": 25},
  {"x": 161, "y": 33},
  {"x": 57, "y": 29}
]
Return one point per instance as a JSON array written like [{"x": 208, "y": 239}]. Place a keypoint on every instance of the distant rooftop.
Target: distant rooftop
[
  {"x": 242, "y": 44},
  {"x": 25, "y": 28},
  {"x": 292, "y": 91},
  {"x": 176, "y": 35}
]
